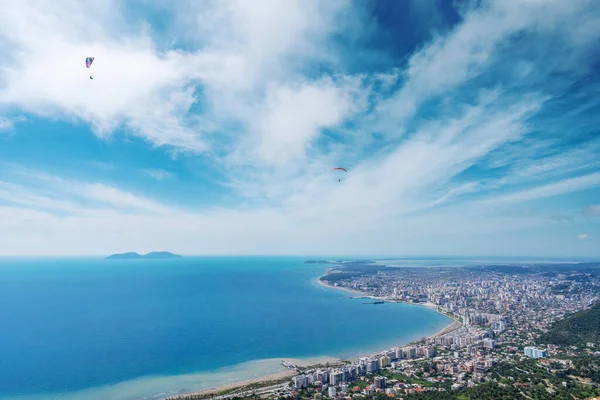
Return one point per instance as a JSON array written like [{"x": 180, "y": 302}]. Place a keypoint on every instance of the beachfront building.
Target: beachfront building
[
  {"x": 336, "y": 377},
  {"x": 372, "y": 365},
  {"x": 399, "y": 353},
  {"x": 385, "y": 361},
  {"x": 429, "y": 352},
  {"x": 300, "y": 381}
]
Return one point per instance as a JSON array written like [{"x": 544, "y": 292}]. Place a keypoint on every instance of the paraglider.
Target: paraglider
[
  {"x": 88, "y": 63},
  {"x": 340, "y": 169}
]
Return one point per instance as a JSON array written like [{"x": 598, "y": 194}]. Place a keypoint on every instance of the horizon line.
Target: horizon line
[{"x": 330, "y": 256}]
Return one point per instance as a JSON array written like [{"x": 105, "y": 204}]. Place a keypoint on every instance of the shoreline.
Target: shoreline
[
  {"x": 263, "y": 379},
  {"x": 281, "y": 376},
  {"x": 454, "y": 325},
  {"x": 307, "y": 363}
]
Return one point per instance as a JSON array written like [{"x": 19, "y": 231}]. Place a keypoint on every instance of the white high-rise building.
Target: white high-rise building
[
  {"x": 372, "y": 365},
  {"x": 336, "y": 377},
  {"x": 399, "y": 353},
  {"x": 410, "y": 352},
  {"x": 384, "y": 361},
  {"x": 534, "y": 352},
  {"x": 322, "y": 376},
  {"x": 429, "y": 352},
  {"x": 300, "y": 381}
]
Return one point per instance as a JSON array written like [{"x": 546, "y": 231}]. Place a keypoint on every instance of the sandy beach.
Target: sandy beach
[
  {"x": 452, "y": 327},
  {"x": 354, "y": 292},
  {"x": 313, "y": 361},
  {"x": 279, "y": 376},
  {"x": 267, "y": 378}
]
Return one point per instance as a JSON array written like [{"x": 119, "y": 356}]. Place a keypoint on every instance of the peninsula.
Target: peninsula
[{"x": 148, "y": 256}]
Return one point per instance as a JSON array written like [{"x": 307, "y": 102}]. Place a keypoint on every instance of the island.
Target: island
[
  {"x": 317, "y": 262},
  {"x": 136, "y": 256}
]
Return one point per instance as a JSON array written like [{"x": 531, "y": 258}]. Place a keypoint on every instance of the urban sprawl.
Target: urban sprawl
[
  {"x": 500, "y": 316},
  {"x": 493, "y": 349}
]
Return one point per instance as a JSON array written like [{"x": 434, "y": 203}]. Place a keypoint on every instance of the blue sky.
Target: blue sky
[{"x": 212, "y": 127}]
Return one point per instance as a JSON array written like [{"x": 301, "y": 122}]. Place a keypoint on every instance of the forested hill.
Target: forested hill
[{"x": 577, "y": 329}]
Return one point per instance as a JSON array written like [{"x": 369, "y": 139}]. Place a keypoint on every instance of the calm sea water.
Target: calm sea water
[{"x": 108, "y": 329}]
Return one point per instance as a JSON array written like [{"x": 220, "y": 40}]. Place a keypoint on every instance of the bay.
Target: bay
[{"x": 132, "y": 329}]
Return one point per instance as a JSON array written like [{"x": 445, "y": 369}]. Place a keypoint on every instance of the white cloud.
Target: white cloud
[
  {"x": 53, "y": 194},
  {"x": 134, "y": 84},
  {"x": 474, "y": 45},
  {"x": 6, "y": 125},
  {"x": 120, "y": 199},
  {"x": 469, "y": 187},
  {"x": 105, "y": 219},
  {"x": 593, "y": 210},
  {"x": 159, "y": 174},
  {"x": 19, "y": 195},
  {"x": 147, "y": 89},
  {"x": 583, "y": 236},
  {"x": 542, "y": 161},
  {"x": 294, "y": 115},
  {"x": 100, "y": 230},
  {"x": 552, "y": 189},
  {"x": 243, "y": 68}
]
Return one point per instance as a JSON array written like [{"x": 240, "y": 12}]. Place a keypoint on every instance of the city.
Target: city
[{"x": 499, "y": 312}]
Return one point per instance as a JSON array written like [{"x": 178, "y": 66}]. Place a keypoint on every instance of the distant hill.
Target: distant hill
[
  {"x": 577, "y": 329},
  {"x": 151, "y": 255}
]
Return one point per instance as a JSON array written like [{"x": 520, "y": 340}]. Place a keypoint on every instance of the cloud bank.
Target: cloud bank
[{"x": 447, "y": 149}]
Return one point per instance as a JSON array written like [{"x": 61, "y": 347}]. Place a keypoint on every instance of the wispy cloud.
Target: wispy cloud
[
  {"x": 593, "y": 210},
  {"x": 6, "y": 125},
  {"x": 583, "y": 236},
  {"x": 158, "y": 174},
  {"x": 553, "y": 189},
  {"x": 259, "y": 91},
  {"x": 148, "y": 89},
  {"x": 53, "y": 194}
]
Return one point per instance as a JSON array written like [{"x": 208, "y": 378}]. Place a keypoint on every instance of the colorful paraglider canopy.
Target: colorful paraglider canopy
[
  {"x": 89, "y": 61},
  {"x": 339, "y": 174}
]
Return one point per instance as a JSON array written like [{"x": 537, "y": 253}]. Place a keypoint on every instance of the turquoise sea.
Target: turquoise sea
[{"x": 73, "y": 328}]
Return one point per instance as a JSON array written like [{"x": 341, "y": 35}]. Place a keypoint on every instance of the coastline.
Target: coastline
[
  {"x": 282, "y": 376},
  {"x": 274, "y": 377},
  {"x": 447, "y": 329},
  {"x": 263, "y": 379}
]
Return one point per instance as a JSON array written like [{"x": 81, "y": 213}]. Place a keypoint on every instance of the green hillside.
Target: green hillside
[{"x": 575, "y": 330}]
